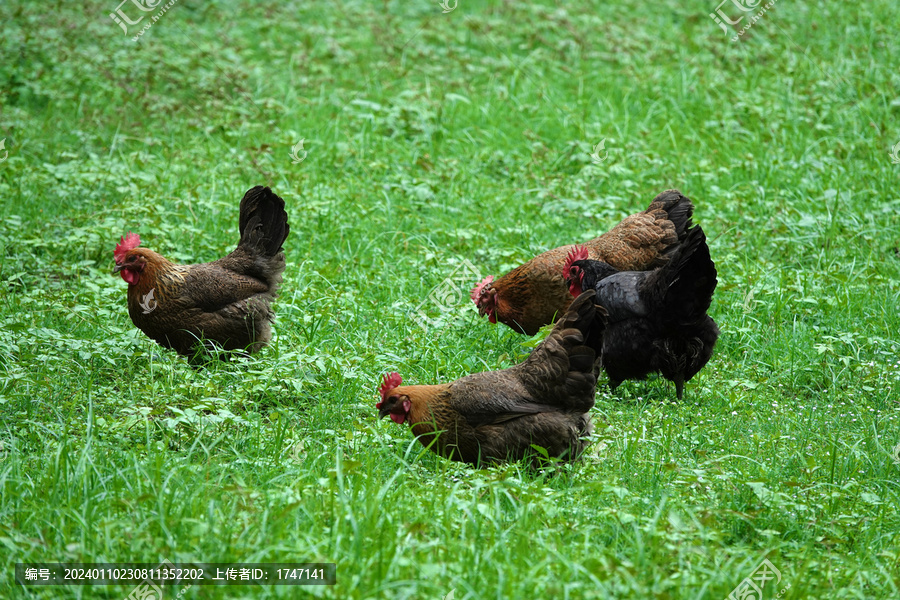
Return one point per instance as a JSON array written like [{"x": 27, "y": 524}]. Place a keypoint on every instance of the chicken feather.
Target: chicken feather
[
  {"x": 534, "y": 294},
  {"x": 498, "y": 415},
  {"x": 226, "y": 302}
]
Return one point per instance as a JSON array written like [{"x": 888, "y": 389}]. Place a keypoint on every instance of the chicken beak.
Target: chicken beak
[
  {"x": 117, "y": 268},
  {"x": 383, "y": 413}
]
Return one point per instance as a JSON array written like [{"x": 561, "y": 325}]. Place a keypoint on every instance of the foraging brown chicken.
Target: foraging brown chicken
[
  {"x": 657, "y": 319},
  {"x": 227, "y": 302},
  {"x": 534, "y": 294},
  {"x": 497, "y": 415}
]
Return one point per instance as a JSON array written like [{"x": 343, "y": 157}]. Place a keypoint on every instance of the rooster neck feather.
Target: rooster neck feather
[{"x": 160, "y": 274}]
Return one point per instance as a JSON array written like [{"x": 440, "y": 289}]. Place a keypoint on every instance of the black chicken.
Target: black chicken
[{"x": 657, "y": 319}]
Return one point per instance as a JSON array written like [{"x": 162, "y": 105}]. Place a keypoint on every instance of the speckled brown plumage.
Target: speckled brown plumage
[
  {"x": 227, "y": 301},
  {"x": 498, "y": 415},
  {"x": 533, "y": 294}
]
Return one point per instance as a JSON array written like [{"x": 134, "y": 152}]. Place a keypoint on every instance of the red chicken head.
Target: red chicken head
[
  {"x": 485, "y": 298},
  {"x": 129, "y": 260},
  {"x": 395, "y": 405},
  {"x": 573, "y": 273}
]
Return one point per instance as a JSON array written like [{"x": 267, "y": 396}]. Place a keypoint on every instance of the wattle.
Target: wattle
[
  {"x": 129, "y": 276},
  {"x": 398, "y": 418}
]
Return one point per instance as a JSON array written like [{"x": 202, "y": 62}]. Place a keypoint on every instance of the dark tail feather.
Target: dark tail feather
[
  {"x": 588, "y": 318},
  {"x": 689, "y": 279},
  {"x": 580, "y": 333},
  {"x": 263, "y": 222},
  {"x": 679, "y": 385},
  {"x": 679, "y": 208}
]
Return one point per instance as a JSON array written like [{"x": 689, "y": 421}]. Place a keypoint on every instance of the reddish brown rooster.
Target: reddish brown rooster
[
  {"x": 532, "y": 295},
  {"x": 226, "y": 301},
  {"x": 498, "y": 415}
]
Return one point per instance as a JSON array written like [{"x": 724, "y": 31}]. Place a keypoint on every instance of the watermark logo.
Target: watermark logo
[
  {"x": 298, "y": 154},
  {"x": 751, "y": 588},
  {"x": 895, "y": 153},
  {"x": 895, "y": 454},
  {"x": 739, "y": 9},
  {"x": 146, "y": 6},
  {"x": 149, "y": 590},
  {"x": 148, "y": 302},
  {"x": 445, "y": 5},
  {"x": 450, "y": 293},
  {"x": 296, "y": 452},
  {"x": 146, "y": 591},
  {"x": 596, "y": 156},
  {"x": 5, "y": 151},
  {"x": 721, "y": 18},
  {"x": 123, "y": 21}
]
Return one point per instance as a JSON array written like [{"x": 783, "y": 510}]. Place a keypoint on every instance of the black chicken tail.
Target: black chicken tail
[
  {"x": 263, "y": 222},
  {"x": 689, "y": 279},
  {"x": 589, "y": 318},
  {"x": 679, "y": 208},
  {"x": 264, "y": 227}
]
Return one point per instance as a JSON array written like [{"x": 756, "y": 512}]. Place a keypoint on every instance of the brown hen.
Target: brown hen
[
  {"x": 226, "y": 303},
  {"x": 498, "y": 415},
  {"x": 532, "y": 295}
]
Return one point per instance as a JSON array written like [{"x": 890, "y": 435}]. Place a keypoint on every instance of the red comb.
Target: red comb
[
  {"x": 475, "y": 294},
  {"x": 577, "y": 253},
  {"x": 129, "y": 242},
  {"x": 388, "y": 382}
]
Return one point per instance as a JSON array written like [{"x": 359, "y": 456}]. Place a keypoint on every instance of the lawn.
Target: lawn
[{"x": 439, "y": 145}]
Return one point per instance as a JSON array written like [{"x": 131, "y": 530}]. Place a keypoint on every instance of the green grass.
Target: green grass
[{"x": 435, "y": 139}]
